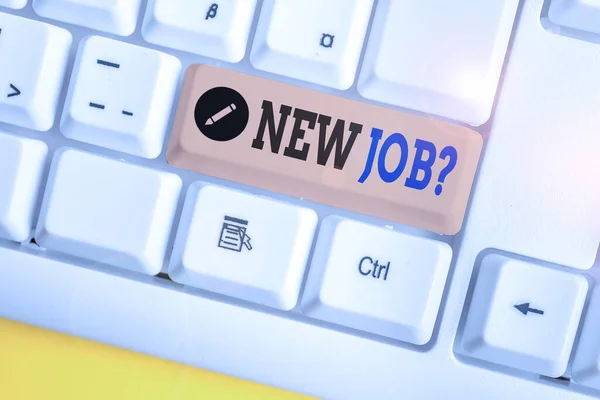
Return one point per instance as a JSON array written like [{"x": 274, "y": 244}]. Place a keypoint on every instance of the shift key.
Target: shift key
[{"x": 374, "y": 160}]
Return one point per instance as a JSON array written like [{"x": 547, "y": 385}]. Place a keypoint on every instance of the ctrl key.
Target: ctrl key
[{"x": 377, "y": 280}]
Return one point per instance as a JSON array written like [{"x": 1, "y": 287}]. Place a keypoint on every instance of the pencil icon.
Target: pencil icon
[{"x": 221, "y": 114}]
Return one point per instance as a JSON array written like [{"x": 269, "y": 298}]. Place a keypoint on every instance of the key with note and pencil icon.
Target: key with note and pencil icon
[{"x": 234, "y": 234}]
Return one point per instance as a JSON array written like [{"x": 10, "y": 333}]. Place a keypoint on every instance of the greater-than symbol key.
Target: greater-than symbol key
[
  {"x": 15, "y": 91},
  {"x": 34, "y": 58}
]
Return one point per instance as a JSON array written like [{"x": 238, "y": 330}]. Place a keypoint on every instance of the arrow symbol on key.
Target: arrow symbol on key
[
  {"x": 15, "y": 92},
  {"x": 525, "y": 309}
]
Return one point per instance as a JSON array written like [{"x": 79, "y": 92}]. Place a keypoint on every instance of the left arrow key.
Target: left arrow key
[{"x": 15, "y": 91}]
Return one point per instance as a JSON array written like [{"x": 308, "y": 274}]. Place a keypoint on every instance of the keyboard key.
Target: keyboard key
[
  {"x": 523, "y": 315},
  {"x": 377, "y": 280},
  {"x": 369, "y": 159},
  {"x": 120, "y": 96},
  {"x": 242, "y": 245},
  {"x": 115, "y": 16},
  {"x": 582, "y": 15},
  {"x": 448, "y": 63},
  {"x": 205, "y": 27},
  {"x": 17, "y": 4},
  {"x": 586, "y": 363},
  {"x": 89, "y": 303},
  {"x": 577, "y": 14},
  {"x": 312, "y": 40},
  {"x": 33, "y": 61},
  {"x": 108, "y": 211},
  {"x": 22, "y": 163}
]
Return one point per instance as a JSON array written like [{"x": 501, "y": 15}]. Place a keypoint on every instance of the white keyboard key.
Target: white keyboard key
[
  {"x": 33, "y": 61},
  {"x": 120, "y": 96},
  {"x": 586, "y": 364},
  {"x": 577, "y": 14},
  {"x": 22, "y": 163},
  {"x": 17, "y": 4},
  {"x": 205, "y": 27},
  {"x": 114, "y": 16},
  {"x": 108, "y": 211},
  {"x": 523, "y": 315},
  {"x": 312, "y": 40},
  {"x": 377, "y": 280},
  {"x": 438, "y": 57},
  {"x": 242, "y": 245}
]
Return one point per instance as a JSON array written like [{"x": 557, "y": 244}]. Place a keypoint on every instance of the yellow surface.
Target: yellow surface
[{"x": 38, "y": 364}]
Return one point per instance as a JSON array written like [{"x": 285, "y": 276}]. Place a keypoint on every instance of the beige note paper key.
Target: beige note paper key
[{"x": 365, "y": 158}]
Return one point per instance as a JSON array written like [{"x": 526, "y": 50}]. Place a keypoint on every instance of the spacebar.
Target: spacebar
[{"x": 150, "y": 317}]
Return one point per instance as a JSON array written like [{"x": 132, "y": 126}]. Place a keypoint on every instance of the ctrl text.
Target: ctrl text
[{"x": 369, "y": 267}]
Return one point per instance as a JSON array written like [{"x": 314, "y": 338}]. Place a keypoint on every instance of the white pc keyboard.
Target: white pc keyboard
[{"x": 343, "y": 198}]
